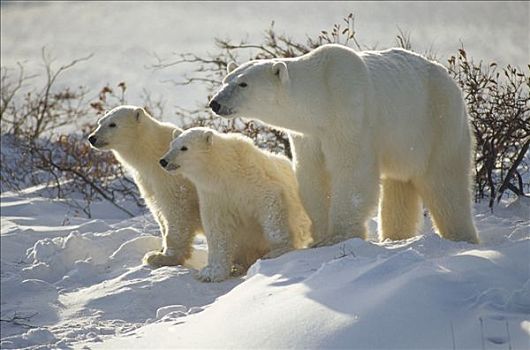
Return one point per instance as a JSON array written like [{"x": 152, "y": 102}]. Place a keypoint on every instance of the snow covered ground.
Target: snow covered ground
[
  {"x": 74, "y": 282},
  {"x": 77, "y": 279}
]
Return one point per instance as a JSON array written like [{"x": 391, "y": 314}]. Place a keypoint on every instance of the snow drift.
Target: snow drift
[{"x": 74, "y": 282}]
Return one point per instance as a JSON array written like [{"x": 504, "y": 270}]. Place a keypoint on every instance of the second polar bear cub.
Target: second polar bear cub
[{"x": 248, "y": 198}]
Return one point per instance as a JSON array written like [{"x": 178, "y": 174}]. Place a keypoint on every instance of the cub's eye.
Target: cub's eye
[
  {"x": 243, "y": 85},
  {"x": 112, "y": 125},
  {"x": 183, "y": 148}
]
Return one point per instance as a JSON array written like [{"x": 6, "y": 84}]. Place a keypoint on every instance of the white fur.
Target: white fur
[
  {"x": 249, "y": 198},
  {"x": 138, "y": 141},
  {"x": 389, "y": 118}
]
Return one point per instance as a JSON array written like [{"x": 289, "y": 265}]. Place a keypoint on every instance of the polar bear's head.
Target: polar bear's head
[
  {"x": 188, "y": 151},
  {"x": 257, "y": 89},
  {"x": 117, "y": 128}
]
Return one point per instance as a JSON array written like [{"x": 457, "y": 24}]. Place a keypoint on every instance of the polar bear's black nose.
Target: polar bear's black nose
[
  {"x": 163, "y": 163},
  {"x": 215, "y": 106},
  {"x": 92, "y": 139}
]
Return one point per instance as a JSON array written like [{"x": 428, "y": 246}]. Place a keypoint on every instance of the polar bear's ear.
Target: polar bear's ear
[
  {"x": 176, "y": 133},
  {"x": 230, "y": 67},
  {"x": 139, "y": 113},
  {"x": 280, "y": 69},
  {"x": 208, "y": 136}
]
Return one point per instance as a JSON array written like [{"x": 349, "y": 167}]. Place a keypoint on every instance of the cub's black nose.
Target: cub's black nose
[
  {"x": 215, "y": 106},
  {"x": 163, "y": 162},
  {"x": 92, "y": 139}
]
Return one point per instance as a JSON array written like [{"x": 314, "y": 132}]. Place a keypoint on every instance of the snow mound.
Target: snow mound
[
  {"x": 82, "y": 279},
  {"x": 360, "y": 294},
  {"x": 80, "y": 283}
]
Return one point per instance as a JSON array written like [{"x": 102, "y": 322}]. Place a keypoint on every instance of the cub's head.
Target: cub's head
[
  {"x": 254, "y": 90},
  {"x": 188, "y": 151},
  {"x": 118, "y": 128}
]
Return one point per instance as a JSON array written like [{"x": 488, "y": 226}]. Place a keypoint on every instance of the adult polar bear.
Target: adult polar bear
[{"x": 389, "y": 117}]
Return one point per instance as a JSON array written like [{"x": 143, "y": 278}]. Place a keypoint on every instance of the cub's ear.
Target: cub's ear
[
  {"x": 139, "y": 113},
  {"x": 176, "y": 133},
  {"x": 208, "y": 136},
  {"x": 280, "y": 70},
  {"x": 230, "y": 67}
]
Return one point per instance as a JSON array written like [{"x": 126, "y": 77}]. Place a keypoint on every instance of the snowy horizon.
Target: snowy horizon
[{"x": 125, "y": 38}]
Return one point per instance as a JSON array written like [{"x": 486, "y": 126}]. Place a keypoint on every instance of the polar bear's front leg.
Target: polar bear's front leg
[
  {"x": 177, "y": 237},
  {"x": 177, "y": 244},
  {"x": 313, "y": 181},
  {"x": 275, "y": 223},
  {"x": 157, "y": 258},
  {"x": 219, "y": 257},
  {"x": 354, "y": 191},
  {"x": 218, "y": 231}
]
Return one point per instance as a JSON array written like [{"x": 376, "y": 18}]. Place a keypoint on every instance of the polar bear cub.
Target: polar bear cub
[
  {"x": 138, "y": 141},
  {"x": 248, "y": 197}
]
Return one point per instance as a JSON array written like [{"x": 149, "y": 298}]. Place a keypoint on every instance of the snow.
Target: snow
[
  {"x": 126, "y": 39},
  {"x": 79, "y": 278},
  {"x": 80, "y": 283},
  {"x": 72, "y": 282},
  {"x": 421, "y": 293}
]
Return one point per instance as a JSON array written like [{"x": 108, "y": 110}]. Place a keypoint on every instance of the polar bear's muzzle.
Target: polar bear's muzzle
[
  {"x": 215, "y": 106},
  {"x": 168, "y": 166},
  {"x": 220, "y": 109},
  {"x": 96, "y": 142}
]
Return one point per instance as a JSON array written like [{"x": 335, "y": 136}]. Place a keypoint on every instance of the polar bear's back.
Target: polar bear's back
[
  {"x": 403, "y": 81},
  {"x": 265, "y": 164},
  {"x": 276, "y": 171},
  {"x": 416, "y": 106},
  {"x": 396, "y": 85}
]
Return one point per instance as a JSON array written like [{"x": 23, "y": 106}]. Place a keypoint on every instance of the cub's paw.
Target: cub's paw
[
  {"x": 237, "y": 270},
  {"x": 156, "y": 258},
  {"x": 213, "y": 273}
]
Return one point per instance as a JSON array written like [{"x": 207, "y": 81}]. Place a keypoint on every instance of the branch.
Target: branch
[
  {"x": 185, "y": 58},
  {"x": 16, "y": 320},
  {"x": 511, "y": 172},
  {"x": 85, "y": 179},
  {"x": 227, "y": 46},
  {"x": 189, "y": 81},
  {"x": 51, "y": 78}
]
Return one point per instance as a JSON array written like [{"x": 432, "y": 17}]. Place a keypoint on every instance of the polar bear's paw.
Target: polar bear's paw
[
  {"x": 213, "y": 273},
  {"x": 238, "y": 270},
  {"x": 156, "y": 258}
]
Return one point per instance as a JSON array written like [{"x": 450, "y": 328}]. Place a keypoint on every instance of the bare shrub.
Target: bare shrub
[
  {"x": 36, "y": 153},
  {"x": 498, "y": 104},
  {"x": 211, "y": 69},
  {"x": 497, "y": 99},
  {"x": 43, "y": 109}
]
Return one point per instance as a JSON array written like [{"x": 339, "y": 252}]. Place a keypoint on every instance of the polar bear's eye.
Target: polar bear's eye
[
  {"x": 243, "y": 85},
  {"x": 112, "y": 125},
  {"x": 183, "y": 148}
]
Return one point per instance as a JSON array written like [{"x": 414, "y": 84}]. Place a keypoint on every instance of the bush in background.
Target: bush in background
[
  {"x": 35, "y": 151},
  {"x": 497, "y": 99},
  {"x": 498, "y": 104}
]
